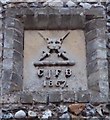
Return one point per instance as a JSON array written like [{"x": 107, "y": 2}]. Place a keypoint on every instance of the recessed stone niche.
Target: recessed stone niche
[
  {"x": 59, "y": 52},
  {"x": 55, "y": 72}
]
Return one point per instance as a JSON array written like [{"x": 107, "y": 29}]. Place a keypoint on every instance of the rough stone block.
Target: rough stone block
[
  {"x": 95, "y": 45},
  {"x": 77, "y": 22},
  {"x": 95, "y": 13},
  {"x": 11, "y": 81},
  {"x": 95, "y": 24},
  {"x": 83, "y": 96},
  {"x": 97, "y": 54},
  {"x": 55, "y": 96},
  {"x": 26, "y": 98},
  {"x": 64, "y": 11},
  {"x": 8, "y": 53},
  {"x": 98, "y": 97},
  {"x": 104, "y": 87},
  {"x": 40, "y": 97},
  {"x": 7, "y": 64},
  {"x": 0, "y": 51},
  {"x": 17, "y": 56},
  {"x": 18, "y": 36},
  {"x": 18, "y": 68},
  {"x": 54, "y": 21},
  {"x": 11, "y": 35},
  {"x": 8, "y": 39},
  {"x": 1, "y": 36},
  {"x": 95, "y": 77},
  {"x": 1, "y": 23},
  {"x": 96, "y": 65},
  {"x": 11, "y": 56},
  {"x": 18, "y": 47},
  {"x": 14, "y": 23},
  {"x": 17, "y": 80},
  {"x": 13, "y": 98},
  {"x": 9, "y": 86},
  {"x": 96, "y": 33},
  {"x": 42, "y": 21},
  {"x": 6, "y": 74},
  {"x": 68, "y": 96},
  {"x": 98, "y": 82},
  {"x": 57, "y": 18},
  {"x": 65, "y": 21}
]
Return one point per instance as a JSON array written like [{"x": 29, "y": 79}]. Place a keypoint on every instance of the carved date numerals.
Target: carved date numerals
[
  {"x": 48, "y": 74},
  {"x": 50, "y": 83}
]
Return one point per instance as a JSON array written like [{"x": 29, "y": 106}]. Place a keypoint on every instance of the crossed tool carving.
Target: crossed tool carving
[{"x": 54, "y": 46}]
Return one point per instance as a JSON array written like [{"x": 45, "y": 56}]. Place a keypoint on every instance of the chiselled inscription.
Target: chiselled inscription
[
  {"x": 48, "y": 75},
  {"x": 54, "y": 60},
  {"x": 54, "y": 46}
]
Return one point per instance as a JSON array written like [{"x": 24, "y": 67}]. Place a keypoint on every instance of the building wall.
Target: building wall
[{"x": 15, "y": 17}]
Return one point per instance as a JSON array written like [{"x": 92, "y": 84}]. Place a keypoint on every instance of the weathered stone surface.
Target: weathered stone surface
[
  {"x": 95, "y": 13},
  {"x": 11, "y": 83},
  {"x": 14, "y": 23},
  {"x": 99, "y": 82},
  {"x": 55, "y": 20},
  {"x": 33, "y": 47},
  {"x": 8, "y": 64},
  {"x": 26, "y": 98},
  {"x": 83, "y": 96},
  {"x": 55, "y": 96},
  {"x": 98, "y": 97},
  {"x": 17, "y": 67},
  {"x": 13, "y": 39},
  {"x": 11, "y": 98},
  {"x": 8, "y": 53},
  {"x": 12, "y": 55},
  {"x": 17, "y": 80},
  {"x": 18, "y": 47},
  {"x": 40, "y": 97},
  {"x": 68, "y": 96},
  {"x": 96, "y": 65},
  {"x": 95, "y": 45},
  {"x": 96, "y": 33},
  {"x": 17, "y": 56},
  {"x": 6, "y": 74},
  {"x": 97, "y": 54},
  {"x": 10, "y": 40},
  {"x": 93, "y": 78},
  {"x": 95, "y": 24}
]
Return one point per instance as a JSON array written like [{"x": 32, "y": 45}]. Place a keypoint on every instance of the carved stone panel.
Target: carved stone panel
[{"x": 55, "y": 60}]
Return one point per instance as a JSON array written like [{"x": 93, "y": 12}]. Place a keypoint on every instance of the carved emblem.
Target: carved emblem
[{"x": 54, "y": 46}]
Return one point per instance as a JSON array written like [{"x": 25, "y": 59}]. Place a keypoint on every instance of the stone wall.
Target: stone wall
[
  {"x": 16, "y": 17},
  {"x": 4, "y": 1}
]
